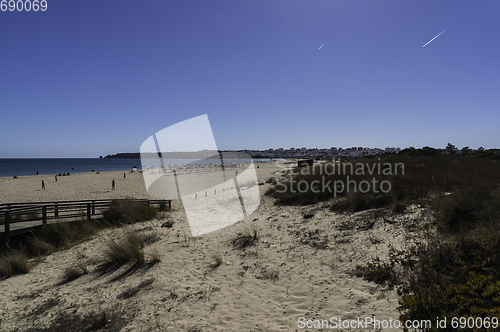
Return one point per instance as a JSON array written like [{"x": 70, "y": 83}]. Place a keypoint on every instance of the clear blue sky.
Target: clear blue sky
[{"x": 92, "y": 77}]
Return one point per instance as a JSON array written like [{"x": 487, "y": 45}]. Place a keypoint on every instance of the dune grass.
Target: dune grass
[
  {"x": 247, "y": 238},
  {"x": 127, "y": 250},
  {"x": 14, "y": 262},
  {"x": 53, "y": 237},
  {"x": 74, "y": 272},
  {"x": 128, "y": 211}
]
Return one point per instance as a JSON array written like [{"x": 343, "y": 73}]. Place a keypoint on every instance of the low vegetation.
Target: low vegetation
[
  {"x": 57, "y": 236},
  {"x": 14, "y": 262},
  {"x": 247, "y": 238},
  {"x": 419, "y": 179},
  {"x": 127, "y": 250},
  {"x": 154, "y": 257},
  {"x": 457, "y": 273},
  {"x": 74, "y": 272},
  {"x": 217, "y": 260},
  {"x": 128, "y": 211}
]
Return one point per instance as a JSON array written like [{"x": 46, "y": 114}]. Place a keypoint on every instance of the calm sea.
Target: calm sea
[{"x": 29, "y": 166}]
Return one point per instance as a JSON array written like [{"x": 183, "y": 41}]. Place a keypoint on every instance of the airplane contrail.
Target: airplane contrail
[
  {"x": 320, "y": 47},
  {"x": 436, "y": 37}
]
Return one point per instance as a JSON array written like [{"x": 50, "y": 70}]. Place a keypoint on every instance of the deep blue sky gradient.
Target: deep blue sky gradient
[{"x": 89, "y": 78}]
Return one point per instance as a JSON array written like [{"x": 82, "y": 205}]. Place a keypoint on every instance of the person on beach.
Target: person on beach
[
  {"x": 113, "y": 185},
  {"x": 43, "y": 185},
  {"x": 56, "y": 177},
  {"x": 36, "y": 172},
  {"x": 124, "y": 176}
]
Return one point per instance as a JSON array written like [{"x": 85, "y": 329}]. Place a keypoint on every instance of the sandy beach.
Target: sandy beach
[
  {"x": 269, "y": 286},
  {"x": 80, "y": 186}
]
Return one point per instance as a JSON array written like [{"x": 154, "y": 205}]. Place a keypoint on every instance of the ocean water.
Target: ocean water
[{"x": 29, "y": 166}]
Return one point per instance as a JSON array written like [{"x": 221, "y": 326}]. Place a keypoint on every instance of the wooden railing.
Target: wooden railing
[{"x": 23, "y": 216}]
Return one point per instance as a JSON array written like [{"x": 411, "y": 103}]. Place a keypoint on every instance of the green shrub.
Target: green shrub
[
  {"x": 378, "y": 272},
  {"x": 456, "y": 277},
  {"x": 465, "y": 207},
  {"x": 423, "y": 175}
]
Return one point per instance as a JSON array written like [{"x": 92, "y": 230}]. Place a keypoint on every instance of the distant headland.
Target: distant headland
[{"x": 295, "y": 153}]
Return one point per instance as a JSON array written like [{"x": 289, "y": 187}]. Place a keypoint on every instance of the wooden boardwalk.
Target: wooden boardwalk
[{"x": 18, "y": 218}]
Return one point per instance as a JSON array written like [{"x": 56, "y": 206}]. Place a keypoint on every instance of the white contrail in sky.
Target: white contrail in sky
[
  {"x": 436, "y": 37},
  {"x": 320, "y": 47}
]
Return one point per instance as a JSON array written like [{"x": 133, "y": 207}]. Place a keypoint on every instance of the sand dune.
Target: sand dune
[{"x": 298, "y": 268}]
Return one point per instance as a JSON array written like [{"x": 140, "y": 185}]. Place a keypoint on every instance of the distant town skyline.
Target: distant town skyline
[{"x": 90, "y": 78}]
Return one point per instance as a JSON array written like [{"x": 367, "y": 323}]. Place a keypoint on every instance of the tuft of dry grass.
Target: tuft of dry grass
[
  {"x": 217, "y": 260},
  {"x": 61, "y": 235},
  {"x": 15, "y": 262},
  {"x": 127, "y": 250},
  {"x": 151, "y": 237},
  {"x": 74, "y": 272},
  {"x": 128, "y": 211},
  {"x": 270, "y": 273},
  {"x": 246, "y": 239},
  {"x": 154, "y": 257}
]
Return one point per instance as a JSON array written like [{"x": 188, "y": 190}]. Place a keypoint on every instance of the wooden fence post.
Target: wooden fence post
[
  {"x": 56, "y": 210},
  {"x": 44, "y": 215},
  {"x": 88, "y": 211},
  {"x": 93, "y": 207},
  {"x": 7, "y": 224}
]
